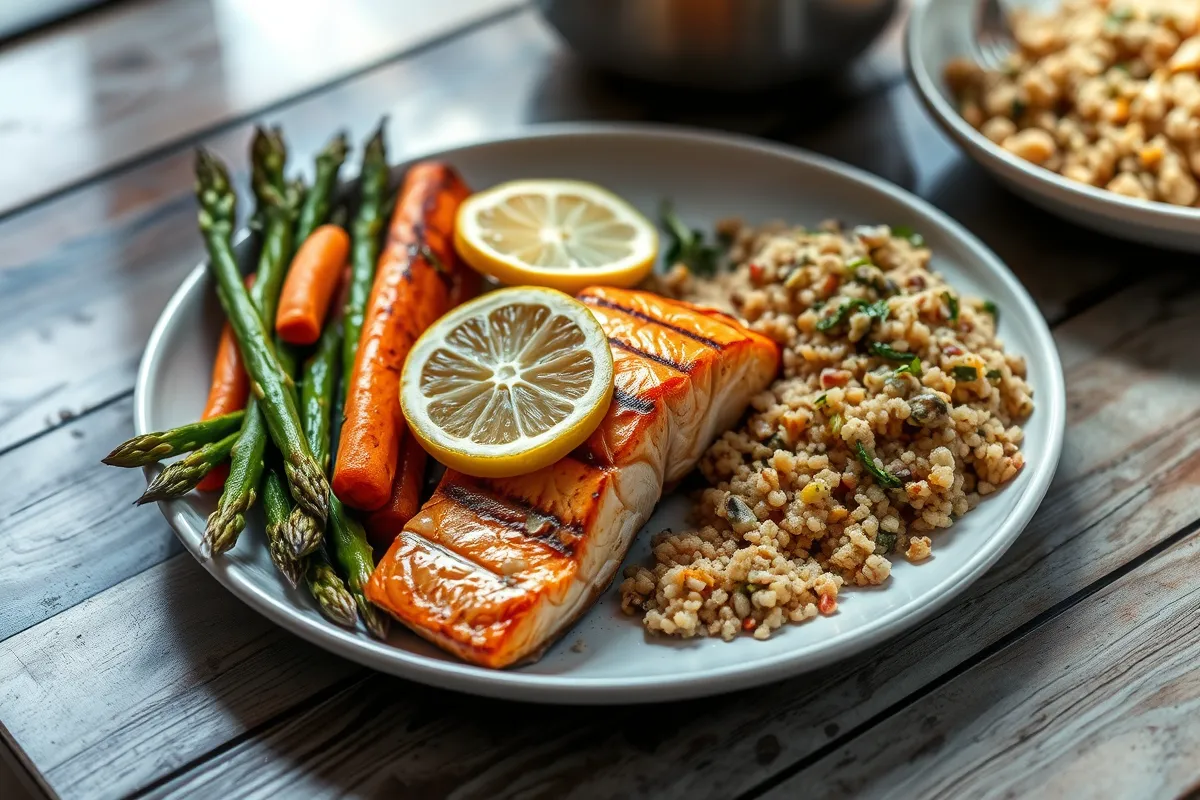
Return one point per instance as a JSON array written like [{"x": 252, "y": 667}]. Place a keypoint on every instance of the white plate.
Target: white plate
[
  {"x": 708, "y": 176},
  {"x": 940, "y": 30}
]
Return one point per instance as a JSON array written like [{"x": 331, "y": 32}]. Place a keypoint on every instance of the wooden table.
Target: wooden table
[{"x": 1070, "y": 669}]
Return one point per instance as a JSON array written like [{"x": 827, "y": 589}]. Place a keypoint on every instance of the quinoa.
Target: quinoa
[
  {"x": 897, "y": 410},
  {"x": 1104, "y": 92}
]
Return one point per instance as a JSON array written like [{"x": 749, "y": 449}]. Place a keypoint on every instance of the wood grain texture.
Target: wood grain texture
[
  {"x": 83, "y": 279},
  {"x": 139, "y": 75},
  {"x": 1127, "y": 426},
  {"x": 1103, "y": 700},
  {"x": 68, "y": 528},
  {"x": 168, "y": 646}
]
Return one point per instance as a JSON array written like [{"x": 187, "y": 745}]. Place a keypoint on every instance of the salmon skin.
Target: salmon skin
[{"x": 495, "y": 569}]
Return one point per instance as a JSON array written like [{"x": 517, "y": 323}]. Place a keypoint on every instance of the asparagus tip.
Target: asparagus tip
[
  {"x": 289, "y": 567},
  {"x": 372, "y": 617},
  {"x": 330, "y": 592},
  {"x": 302, "y": 532},
  {"x": 309, "y": 487},
  {"x": 225, "y": 525}
]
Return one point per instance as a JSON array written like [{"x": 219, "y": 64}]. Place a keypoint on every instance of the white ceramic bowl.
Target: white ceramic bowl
[
  {"x": 708, "y": 176},
  {"x": 940, "y": 30}
]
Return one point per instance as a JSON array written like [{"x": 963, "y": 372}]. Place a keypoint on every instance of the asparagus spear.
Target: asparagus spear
[
  {"x": 270, "y": 387},
  {"x": 274, "y": 212},
  {"x": 319, "y": 576},
  {"x": 354, "y": 555},
  {"x": 316, "y": 391},
  {"x": 316, "y": 206},
  {"x": 365, "y": 244},
  {"x": 182, "y": 476},
  {"x": 329, "y": 590},
  {"x": 276, "y": 507},
  {"x": 351, "y": 550},
  {"x": 316, "y": 397},
  {"x": 150, "y": 448}
]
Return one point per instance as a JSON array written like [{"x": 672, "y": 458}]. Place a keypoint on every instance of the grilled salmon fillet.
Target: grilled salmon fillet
[{"x": 495, "y": 569}]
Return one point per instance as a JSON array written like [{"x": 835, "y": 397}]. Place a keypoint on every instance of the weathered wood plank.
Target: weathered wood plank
[
  {"x": 68, "y": 528},
  {"x": 168, "y": 646},
  {"x": 139, "y": 75},
  {"x": 1105, "y": 699},
  {"x": 1133, "y": 424}
]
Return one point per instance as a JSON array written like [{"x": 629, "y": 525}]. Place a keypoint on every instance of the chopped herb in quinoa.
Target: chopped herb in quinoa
[
  {"x": 884, "y": 477},
  {"x": 888, "y": 352},
  {"x": 962, "y": 373},
  {"x": 912, "y": 368},
  {"x": 907, "y": 233},
  {"x": 952, "y": 304}
]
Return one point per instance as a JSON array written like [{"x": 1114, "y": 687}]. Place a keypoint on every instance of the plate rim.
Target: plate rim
[
  {"x": 542, "y": 688},
  {"x": 1149, "y": 213}
]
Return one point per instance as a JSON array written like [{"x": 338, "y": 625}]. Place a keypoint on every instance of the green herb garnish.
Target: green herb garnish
[
  {"x": 912, "y": 368},
  {"x": 884, "y": 542},
  {"x": 964, "y": 373},
  {"x": 839, "y": 316},
  {"x": 822, "y": 400},
  {"x": 885, "y": 478},
  {"x": 687, "y": 245},
  {"x": 1018, "y": 109},
  {"x": 905, "y": 232},
  {"x": 993, "y": 375},
  {"x": 878, "y": 311},
  {"x": 835, "y": 424},
  {"x": 887, "y": 351},
  {"x": 859, "y": 261},
  {"x": 952, "y": 302},
  {"x": 992, "y": 309}
]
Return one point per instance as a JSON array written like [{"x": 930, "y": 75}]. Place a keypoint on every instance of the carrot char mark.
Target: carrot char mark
[
  {"x": 518, "y": 516},
  {"x": 590, "y": 300}
]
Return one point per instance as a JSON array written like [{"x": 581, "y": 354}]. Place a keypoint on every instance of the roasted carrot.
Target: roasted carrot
[
  {"x": 411, "y": 290},
  {"x": 227, "y": 392},
  {"x": 385, "y": 524},
  {"x": 311, "y": 281}
]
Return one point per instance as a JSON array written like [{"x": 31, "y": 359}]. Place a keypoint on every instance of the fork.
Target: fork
[{"x": 994, "y": 39}]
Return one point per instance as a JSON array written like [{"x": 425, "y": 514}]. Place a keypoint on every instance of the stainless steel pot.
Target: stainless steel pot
[{"x": 719, "y": 44}]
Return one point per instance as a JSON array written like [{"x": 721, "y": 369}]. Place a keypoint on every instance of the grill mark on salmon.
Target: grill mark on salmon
[
  {"x": 632, "y": 402},
  {"x": 686, "y": 369},
  {"x": 695, "y": 337},
  {"x": 515, "y": 515}
]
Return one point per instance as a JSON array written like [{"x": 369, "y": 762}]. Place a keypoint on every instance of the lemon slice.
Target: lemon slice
[
  {"x": 508, "y": 383},
  {"x": 563, "y": 234}
]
